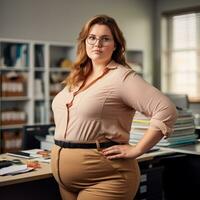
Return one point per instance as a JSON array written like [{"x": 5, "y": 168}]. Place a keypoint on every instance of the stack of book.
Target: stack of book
[
  {"x": 47, "y": 143},
  {"x": 183, "y": 130}
]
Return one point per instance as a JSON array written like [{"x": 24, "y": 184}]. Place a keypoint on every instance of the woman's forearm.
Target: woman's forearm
[{"x": 150, "y": 138}]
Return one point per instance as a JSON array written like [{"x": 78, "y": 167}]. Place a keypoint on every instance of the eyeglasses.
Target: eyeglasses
[{"x": 104, "y": 41}]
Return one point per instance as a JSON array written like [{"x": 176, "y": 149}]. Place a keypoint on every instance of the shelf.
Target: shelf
[
  {"x": 39, "y": 69},
  {"x": 39, "y": 99},
  {"x": 24, "y": 98},
  {"x": 15, "y": 126},
  {"x": 42, "y": 66},
  {"x": 6, "y": 68},
  {"x": 57, "y": 69}
]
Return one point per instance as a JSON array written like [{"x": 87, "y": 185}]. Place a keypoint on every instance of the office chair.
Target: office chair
[{"x": 180, "y": 100}]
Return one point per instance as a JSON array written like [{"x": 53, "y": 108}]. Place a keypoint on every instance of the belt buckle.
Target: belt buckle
[{"x": 98, "y": 145}]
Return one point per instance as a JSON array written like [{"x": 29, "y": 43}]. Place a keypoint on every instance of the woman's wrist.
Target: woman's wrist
[{"x": 135, "y": 152}]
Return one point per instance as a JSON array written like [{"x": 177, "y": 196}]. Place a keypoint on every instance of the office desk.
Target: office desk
[
  {"x": 152, "y": 155},
  {"x": 45, "y": 171},
  {"x": 193, "y": 149},
  {"x": 197, "y": 131},
  {"x": 38, "y": 184},
  {"x": 181, "y": 176},
  {"x": 40, "y": 173},
  {"x": 175, "y": 173}
]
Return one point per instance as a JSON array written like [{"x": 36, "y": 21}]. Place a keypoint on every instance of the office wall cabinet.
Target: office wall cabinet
[{"x": 31, "y": 73}]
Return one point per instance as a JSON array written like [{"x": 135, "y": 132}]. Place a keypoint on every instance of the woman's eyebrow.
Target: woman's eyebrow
[{"x": 101, "y": 35}]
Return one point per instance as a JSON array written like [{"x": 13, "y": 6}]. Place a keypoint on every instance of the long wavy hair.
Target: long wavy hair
[{"x": 83, "y": 65}]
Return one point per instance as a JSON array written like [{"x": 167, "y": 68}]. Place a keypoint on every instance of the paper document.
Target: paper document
[{"x": 14, "y": 169}]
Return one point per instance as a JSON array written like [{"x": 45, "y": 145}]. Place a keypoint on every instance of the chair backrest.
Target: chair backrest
[
  {"x": 30, "y": 134},
  {"x": 180, "y": 100}
]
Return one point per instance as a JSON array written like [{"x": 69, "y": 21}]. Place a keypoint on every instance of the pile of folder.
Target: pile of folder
[{"x": 183, "y": 130}]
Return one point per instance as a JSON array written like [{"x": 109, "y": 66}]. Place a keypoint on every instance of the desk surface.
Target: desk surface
[
  {"x": 45, "y": 170},
  {"x": 152, "y": 155},
  {"x": 40, "y": 173},
  {"x": 193, "y": 149}
]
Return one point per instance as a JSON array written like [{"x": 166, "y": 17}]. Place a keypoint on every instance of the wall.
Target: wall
[{"x": 61, "y": 20}]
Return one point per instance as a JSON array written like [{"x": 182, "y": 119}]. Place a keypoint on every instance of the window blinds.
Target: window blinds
[{"x": 182, "y": 55}]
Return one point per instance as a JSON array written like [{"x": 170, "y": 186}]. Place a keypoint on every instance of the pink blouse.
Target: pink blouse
[{"x": 106, "y": 108}]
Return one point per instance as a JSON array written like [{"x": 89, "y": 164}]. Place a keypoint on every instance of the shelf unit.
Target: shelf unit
[{"x": 31, "y": 73}]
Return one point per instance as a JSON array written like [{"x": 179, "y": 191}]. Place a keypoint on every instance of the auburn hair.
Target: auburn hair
[{"x": 82, "y": 65}]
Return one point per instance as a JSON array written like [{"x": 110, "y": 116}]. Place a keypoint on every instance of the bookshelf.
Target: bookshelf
[{"x": 31, "y": 73}]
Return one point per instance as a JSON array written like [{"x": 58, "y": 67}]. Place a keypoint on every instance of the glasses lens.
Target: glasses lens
[
  {"x": 91, "y": 40},
  {"x": 104, "y": 41}
]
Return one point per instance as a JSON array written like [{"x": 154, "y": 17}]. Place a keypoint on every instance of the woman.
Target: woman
[{"x": 91, "y": 158}]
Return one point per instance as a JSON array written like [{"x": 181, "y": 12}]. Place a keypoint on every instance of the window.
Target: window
[{"x": 181, "y": 55}]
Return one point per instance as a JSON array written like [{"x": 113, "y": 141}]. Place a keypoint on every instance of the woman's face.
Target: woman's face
[{"x": 100, "y": 44}]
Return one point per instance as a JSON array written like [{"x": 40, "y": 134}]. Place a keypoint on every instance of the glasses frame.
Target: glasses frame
[{"x": 100, "y": 39}]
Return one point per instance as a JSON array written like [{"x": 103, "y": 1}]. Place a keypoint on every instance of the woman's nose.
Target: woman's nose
[{"x": 98, "y": 43}]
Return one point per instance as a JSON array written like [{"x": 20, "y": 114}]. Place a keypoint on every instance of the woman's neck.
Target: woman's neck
[{"x": 98, "y": 68}]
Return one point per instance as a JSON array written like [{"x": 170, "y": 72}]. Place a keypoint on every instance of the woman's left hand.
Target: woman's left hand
[{"x": 119, "y": 151}]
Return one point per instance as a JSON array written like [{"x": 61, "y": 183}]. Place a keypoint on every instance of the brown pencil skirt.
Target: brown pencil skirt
[{"x": 85, "y": 174}]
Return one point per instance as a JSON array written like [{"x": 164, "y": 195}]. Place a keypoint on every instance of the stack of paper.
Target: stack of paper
[
  {"x": 184, "y": 129},
  {"x": 37, "y": 155},
  {"x": 14, "y": 169},
  {"x": 47, "y": 143},
  {"x": 33, "y": 154}
]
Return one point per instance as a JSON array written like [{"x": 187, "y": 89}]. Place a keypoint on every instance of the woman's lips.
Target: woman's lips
[{"x": 97, "y": 51}]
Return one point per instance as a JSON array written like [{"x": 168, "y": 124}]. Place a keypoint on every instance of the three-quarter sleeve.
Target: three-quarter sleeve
[{"x": 145, "y": 98}]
